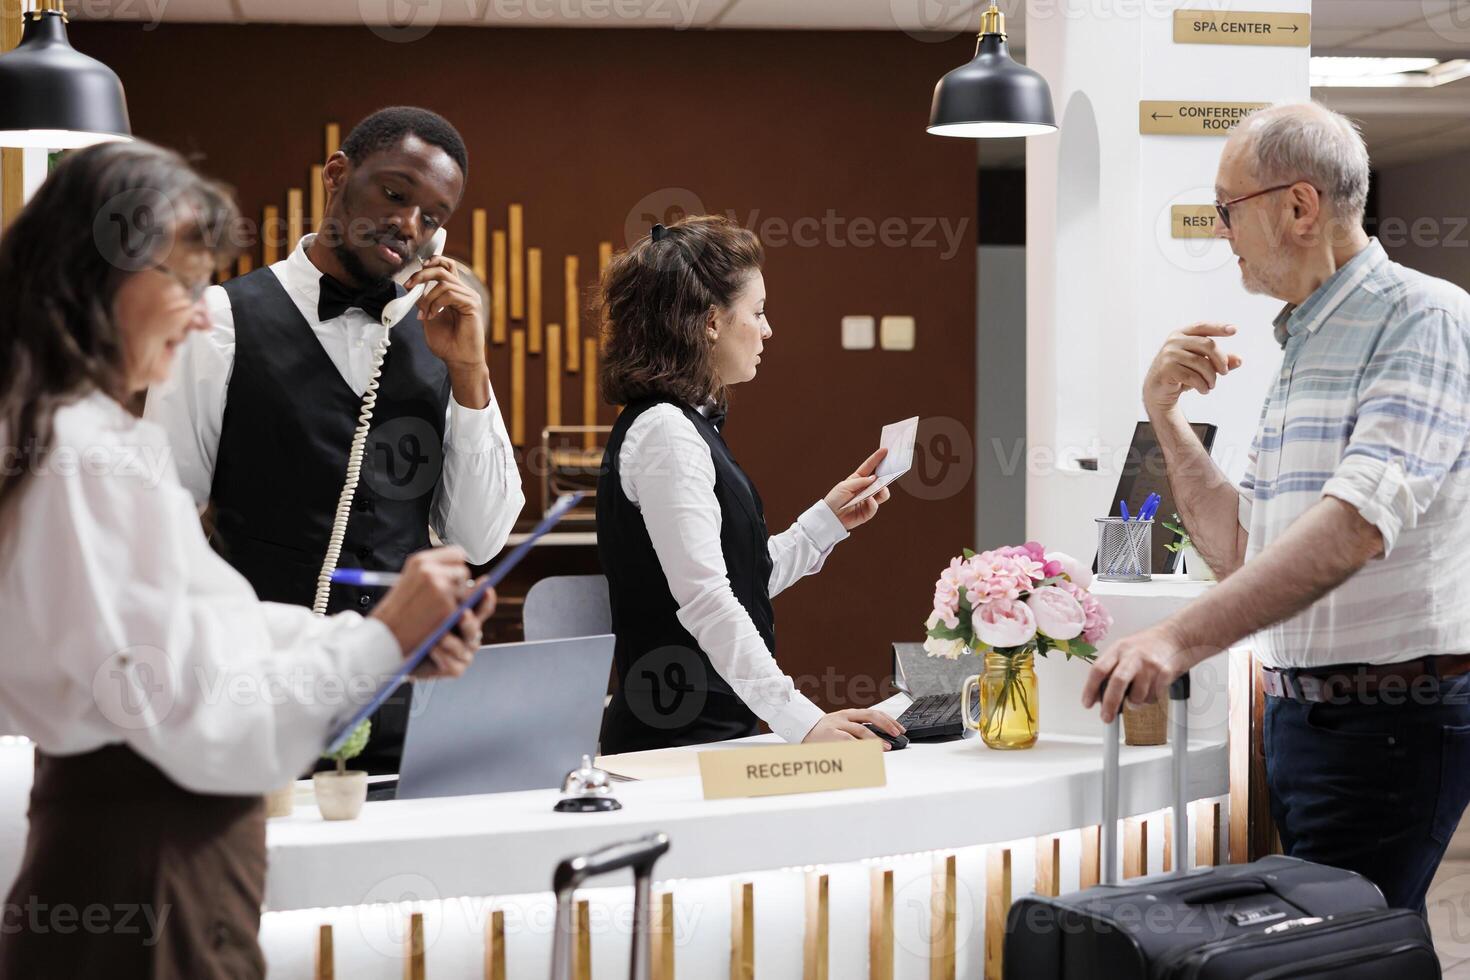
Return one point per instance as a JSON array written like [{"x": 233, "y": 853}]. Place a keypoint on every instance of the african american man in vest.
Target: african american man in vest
[{"x": 261, "y": 409}]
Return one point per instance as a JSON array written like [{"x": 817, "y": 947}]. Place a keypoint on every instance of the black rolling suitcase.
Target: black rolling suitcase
[{"x": 1273, "y": 919}]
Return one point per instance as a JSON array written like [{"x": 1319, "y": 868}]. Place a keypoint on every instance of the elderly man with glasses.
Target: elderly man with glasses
[{"x": 1343, "y": 549}]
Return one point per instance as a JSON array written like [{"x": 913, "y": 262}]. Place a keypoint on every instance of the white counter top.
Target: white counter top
[{"x": 943, "y": 795}]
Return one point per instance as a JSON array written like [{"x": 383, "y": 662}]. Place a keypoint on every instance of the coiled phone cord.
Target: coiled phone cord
[{"x": 349, "y": 486}]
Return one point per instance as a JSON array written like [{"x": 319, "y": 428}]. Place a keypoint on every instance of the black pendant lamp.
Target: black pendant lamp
[
  {"x": 52, "y": 95},
  {"x": 992, "y": 96}
]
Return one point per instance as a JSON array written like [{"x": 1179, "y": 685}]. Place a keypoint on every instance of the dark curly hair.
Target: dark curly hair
[
  {"x": 387, "y": 127},
  {"x": 655, "y": 301}
]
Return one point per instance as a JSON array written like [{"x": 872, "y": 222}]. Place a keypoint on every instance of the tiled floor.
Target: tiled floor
[{"x": 1449, "y": 918}]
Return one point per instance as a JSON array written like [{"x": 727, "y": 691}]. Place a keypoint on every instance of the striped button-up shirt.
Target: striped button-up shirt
[{"x": 1372, "y": 406}]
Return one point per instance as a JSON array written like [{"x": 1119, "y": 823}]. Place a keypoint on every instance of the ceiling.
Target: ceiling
[{"x": 1401, "y": 125}]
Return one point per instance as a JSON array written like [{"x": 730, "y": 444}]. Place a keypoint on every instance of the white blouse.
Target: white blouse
[
  {"x": 121, "y": 625},
  {"x": 666, "y": 470}
]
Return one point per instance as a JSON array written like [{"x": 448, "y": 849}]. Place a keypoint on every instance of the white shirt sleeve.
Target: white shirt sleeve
[
  {"x": 802, "y": 549},
  {"x": 190, "y": 405},
  {"x": 479, "y": 495},
  {"x": 667, "y": 472},
  {"x": 159, "y": 644}
]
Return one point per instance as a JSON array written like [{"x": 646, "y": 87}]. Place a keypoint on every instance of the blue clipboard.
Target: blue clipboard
[{"x": 501, "y": 569}]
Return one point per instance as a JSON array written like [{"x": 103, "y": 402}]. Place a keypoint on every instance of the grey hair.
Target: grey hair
[{"x": 1309, "y": 142}]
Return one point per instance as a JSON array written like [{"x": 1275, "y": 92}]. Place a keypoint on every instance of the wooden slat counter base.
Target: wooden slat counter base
[{"x": 506, "y": 844}]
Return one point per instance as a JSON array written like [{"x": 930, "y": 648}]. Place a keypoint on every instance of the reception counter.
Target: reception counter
[{"x": 896, "y": 881}]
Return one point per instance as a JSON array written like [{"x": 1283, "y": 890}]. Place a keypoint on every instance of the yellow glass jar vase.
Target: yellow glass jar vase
[{"x": 1009, "y": 711}]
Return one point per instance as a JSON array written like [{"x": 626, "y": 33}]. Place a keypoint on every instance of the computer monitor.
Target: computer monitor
[
  {"x": 521, "y": 717},
  {"x": 1144, "y": 472}
]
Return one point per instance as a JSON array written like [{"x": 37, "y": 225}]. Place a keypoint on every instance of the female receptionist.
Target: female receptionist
[{"x": 681, "y": 532}]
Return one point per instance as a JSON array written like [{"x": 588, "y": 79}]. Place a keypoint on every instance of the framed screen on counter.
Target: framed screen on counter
[{"x": 1143, "y": 473}]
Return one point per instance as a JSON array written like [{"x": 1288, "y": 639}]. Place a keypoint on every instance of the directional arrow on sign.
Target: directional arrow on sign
[
  {"x": 1295, "y": 28},
  {"x": 1157, "y": 117}
]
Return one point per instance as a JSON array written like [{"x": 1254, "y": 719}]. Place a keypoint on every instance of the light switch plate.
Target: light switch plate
[
  {"x": 897, "y": 333},
  {"x": 859, "y": 333}
]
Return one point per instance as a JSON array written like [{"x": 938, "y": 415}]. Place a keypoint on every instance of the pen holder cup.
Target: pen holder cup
[{"x": 1124, "y": 550}]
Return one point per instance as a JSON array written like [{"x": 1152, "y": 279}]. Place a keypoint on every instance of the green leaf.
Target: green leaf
[
  {"x": 968, "y": 553},
  {"x": 355, "y": 743}
]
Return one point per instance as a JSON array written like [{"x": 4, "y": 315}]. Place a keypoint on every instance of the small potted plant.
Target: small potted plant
[
  {"x": 340, "y": 793},
  {"x": 1194, "y": 565}
]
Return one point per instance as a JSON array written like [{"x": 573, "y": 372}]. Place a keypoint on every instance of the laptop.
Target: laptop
[{"x": 521, "y": 717}]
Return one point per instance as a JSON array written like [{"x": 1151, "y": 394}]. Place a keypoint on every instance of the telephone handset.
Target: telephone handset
[
  {"x": 394, "y": 311},
  {"x": 398, "y": 309}
]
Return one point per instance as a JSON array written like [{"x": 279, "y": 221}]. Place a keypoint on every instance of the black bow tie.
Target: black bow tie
[
  {"x": 716, "y": 418},
  {"x": 336, "y": 299}
]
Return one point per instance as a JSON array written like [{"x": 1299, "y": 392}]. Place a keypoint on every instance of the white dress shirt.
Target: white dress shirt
[
  {"x": 667, "y": 472},
  {"x": 479, "y": 494},
  {"x": 121, "y": 625}
]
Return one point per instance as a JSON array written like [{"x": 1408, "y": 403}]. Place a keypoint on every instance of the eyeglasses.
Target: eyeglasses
[
  {"x": 1222, "y": 208},
  {"x": 194, "y": 289}
]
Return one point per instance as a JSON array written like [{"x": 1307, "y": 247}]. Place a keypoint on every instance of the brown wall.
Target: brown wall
[{"x": 581, "y": 126}]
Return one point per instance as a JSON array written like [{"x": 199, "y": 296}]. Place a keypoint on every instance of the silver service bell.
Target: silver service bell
[{"x": 587, "y": 790}]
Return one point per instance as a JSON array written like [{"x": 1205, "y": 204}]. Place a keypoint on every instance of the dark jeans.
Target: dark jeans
[{"x": 1375, "y": 788}]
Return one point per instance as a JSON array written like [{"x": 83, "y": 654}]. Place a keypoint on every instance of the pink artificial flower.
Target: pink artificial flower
[
  {"x": 1058, "y": 614},
  {"x": 1004, "y": 623},
  {"x": 1079, "y": 573},
  {"x": 1051, "y": 569},
  {"x": 1098, "y": 620}
]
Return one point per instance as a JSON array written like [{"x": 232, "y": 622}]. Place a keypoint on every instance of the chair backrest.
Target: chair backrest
[
  {"x": 565, "y": 606},
  {"x": 924, "y": 674}
]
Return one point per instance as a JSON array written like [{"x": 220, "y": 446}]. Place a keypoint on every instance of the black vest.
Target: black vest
[
  {"x": 284, "y": 441},
  {"x": 668, "y": 691}
]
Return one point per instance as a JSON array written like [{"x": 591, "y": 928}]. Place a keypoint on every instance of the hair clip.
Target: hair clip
[{"x": 659, "y": 232}]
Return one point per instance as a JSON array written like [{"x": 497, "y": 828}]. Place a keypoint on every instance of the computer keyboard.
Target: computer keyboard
[{"x": 933, "y": 716}]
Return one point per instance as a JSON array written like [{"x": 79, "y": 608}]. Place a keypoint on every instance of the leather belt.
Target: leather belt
[{"x": 1350, "y": 682}]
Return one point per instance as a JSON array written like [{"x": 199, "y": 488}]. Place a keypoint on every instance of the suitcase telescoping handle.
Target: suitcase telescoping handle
[
  {"x": 1179, "y": 739},
  {"x": 640, "y": 855}
]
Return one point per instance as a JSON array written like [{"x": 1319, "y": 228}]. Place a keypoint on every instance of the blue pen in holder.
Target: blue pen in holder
[{"x": 1125, "y": 549}]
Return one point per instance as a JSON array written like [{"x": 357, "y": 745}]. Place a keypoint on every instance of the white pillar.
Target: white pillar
[{"x": 1105, "y": 282}]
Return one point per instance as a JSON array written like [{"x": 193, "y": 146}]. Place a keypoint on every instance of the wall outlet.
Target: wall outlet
[{"x": 897, "y": 333}]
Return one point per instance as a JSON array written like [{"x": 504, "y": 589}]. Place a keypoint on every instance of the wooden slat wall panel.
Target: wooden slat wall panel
[
  {"x": 270, "y": 235},
  {"x": 1049, "y": 866},
  {"x": 516, "y": 223},
  {"x": 518, "y": 387},
  {"x": 997, "y": 904},
  {"x": 318, "y": 198},
  {"x": 553, "y": 374},
  {"x": 333, "y": 138},
  {"x": 742, "y": 914},
  {"x": 326, "y": 961},
  {"x": 574, "y": 342},
  {"x": 661, "y": 939},
  {"x": 295, "y": 217},
  {"x": 414, "y": 967},
  {"x": 497, "y": 287},
  {"x": 533, "y": 299},
  {"x": 495, "y": 946},
  {"x": 12, "y": 160},
  {"x": 1091, "y": 871},
  {"x": 815, "y": 947},
  {"x": 1206, "y": 834},
  {"x": 1135, "y": 847},
  {"x": 479, "y": 240},
  {"x": 880, "y": 925},
  {"x": 942, "y": 913},
  {"x": 589, "y": 391}
]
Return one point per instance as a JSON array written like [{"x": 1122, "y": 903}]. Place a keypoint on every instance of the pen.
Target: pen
[
  {"x": 363, "y": 578},
  {"x": 1123, "y": 509}
]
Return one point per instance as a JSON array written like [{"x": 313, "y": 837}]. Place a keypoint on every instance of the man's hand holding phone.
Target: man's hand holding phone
[{"x": 454, "y": 328}]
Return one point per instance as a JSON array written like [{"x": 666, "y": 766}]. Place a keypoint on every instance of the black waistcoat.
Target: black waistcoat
[
  {"x": 282, "y": 459},
  {"x": 668, "y": 691}
]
